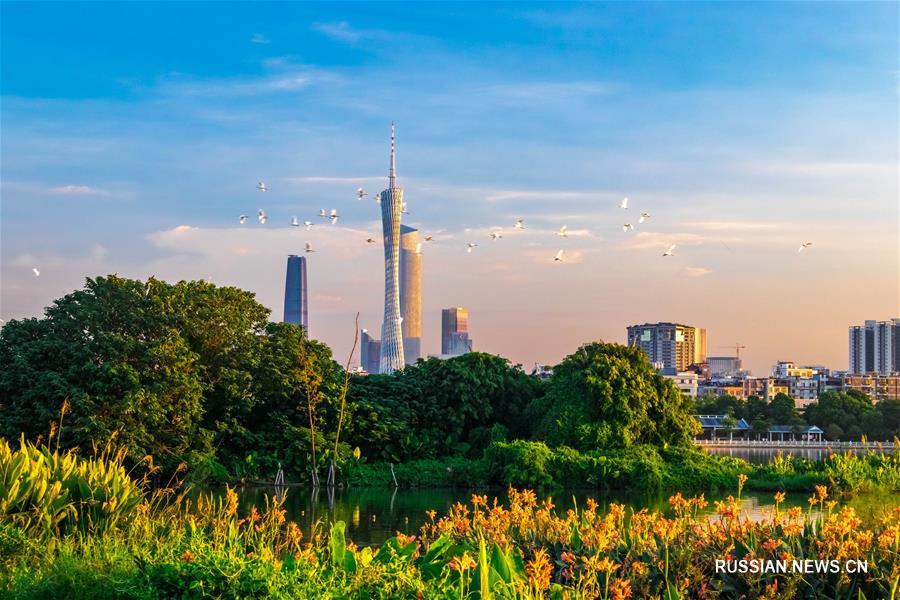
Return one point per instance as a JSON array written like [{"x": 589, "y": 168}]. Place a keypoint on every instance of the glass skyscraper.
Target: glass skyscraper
[
  {"x": 392, "y": 357},
  {"x": 296, "y": 309},
  {"x": 411, "y": 293}
]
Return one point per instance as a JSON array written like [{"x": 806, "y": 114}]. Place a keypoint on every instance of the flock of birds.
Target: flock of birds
[
  {"x": 496, "y": 235},
  {"x": 470, "y": 246}
]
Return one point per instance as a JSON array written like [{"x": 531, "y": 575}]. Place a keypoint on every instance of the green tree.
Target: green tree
[
  {"x": 756, "y": 408},
  {"x": 296, "y": 384},
  {"x": 608, "y": 395},
  {"x": 782, "y": 410},
  {"x": 852, "y": 412},
  {"x": 439, "y": 407},
  {"x": 116, "y": 353}
]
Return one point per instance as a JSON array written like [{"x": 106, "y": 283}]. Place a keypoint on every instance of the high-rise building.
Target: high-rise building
[
  {"x": 699, "y": 345},
  {"x": 875, "y": 347},
  {"x": 724, "y": 366},
  {"x": 296, "y": 309},
  {"x": 391, "y": 201},
  {"x": 369, "y": 353},
  {"x": 455, "y": 331},
  {"x": 671, "y": 347},
  {"x": 411, "y": 293}
]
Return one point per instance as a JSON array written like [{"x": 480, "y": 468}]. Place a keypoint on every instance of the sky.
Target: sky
[{"x": 134, "y": 134}]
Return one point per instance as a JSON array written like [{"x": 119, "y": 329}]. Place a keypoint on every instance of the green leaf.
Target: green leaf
[{"x": 338, "y": 543}]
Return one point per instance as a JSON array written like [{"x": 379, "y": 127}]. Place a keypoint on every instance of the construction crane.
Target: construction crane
[{"x": 737, "y": 349}]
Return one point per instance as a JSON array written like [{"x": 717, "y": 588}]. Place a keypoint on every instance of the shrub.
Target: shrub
[{"x": 51, "y": 490}]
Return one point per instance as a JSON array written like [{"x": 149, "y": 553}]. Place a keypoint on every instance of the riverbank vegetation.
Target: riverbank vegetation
[
  {"x": 843, "y": 415},
  {"x": 195, "y": 376},
  {"x": 83, "y": 528}
]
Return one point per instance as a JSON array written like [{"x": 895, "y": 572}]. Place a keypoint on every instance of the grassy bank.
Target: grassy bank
[
  {"x": 65, "y": 534},
  {"x": 535, "y": 465}
]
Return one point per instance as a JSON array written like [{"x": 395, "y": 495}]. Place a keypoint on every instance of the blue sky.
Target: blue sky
[{"x": 134, "y": 134}]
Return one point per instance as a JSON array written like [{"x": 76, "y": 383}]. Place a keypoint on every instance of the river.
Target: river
[{"x": 373, "y": 515}]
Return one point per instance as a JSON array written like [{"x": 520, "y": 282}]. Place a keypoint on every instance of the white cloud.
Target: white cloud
[
  {"x": 819, "y": 169},
  {"x": 259, "y": 38},
  {"x": 99, "y": 252},
  {"x": 343, "y": 32},
  {"x": 657, "y": 239},
  {"x": 79, "y": 190},
  {"x": 336, "y": 180},
  {"x": 734, "y": 225},
  {"x": 550, "y": 91},
  {"x": 504, "y": 195},
  {"x": 696, "y": 271}
]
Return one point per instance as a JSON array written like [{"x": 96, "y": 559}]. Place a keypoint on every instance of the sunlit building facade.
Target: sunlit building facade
[
  {"x": 455, "y": 331},
  {"x": 391, "y": 200},
  {"x": 671, "y": 347},
  {"x": 411, "y": 293}
]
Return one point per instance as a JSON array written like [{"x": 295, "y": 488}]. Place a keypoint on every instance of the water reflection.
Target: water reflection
[{"x": 373, "y": 515}]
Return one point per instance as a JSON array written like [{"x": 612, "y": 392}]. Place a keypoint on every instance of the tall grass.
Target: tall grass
[
  {"x": 58, "y": 491},
  {"x": 174, "y": 546}
]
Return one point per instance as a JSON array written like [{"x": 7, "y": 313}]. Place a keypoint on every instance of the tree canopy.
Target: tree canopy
[{"x": 607, "y": 395}]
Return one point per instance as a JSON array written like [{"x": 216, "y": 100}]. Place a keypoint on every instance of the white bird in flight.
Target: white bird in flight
[
  {"x": 322, "y": 213},
  {"x": 562, "y": 231},
  {"x": 360, "y": 194},
  {"x": 627, "y": 227},
  {"x": 309, "y": 247},
  {"x": 496, "y": 235},
  {"x": 670, "y": 251},
  {"x": 308, "y": 225},
  {"x": 804, "y": 246},
  {"x": 295, "y": 222},
  {"x": 262, "y": 217},
  {"x": 261, "y": 186},
  {"x": 243, "y": 219},
  {"x": 428, "y": 238},
  {"x": 558, "y": 257},
  {"x": 624, "y": 203},
  {"x": 644, "y": 217},
  {"x": 36, "y": 272},
  {"x": 334, "y": 216},
  {"x": 469, "y": 247},
  {"x": 520, "y": 223}
]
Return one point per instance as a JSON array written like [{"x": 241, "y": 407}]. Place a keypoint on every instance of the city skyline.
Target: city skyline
[{"x": 741, "y": 139}]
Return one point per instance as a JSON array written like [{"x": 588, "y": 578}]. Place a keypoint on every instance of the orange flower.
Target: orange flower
[
  {"x": 187, "y": 556},
  {"x": 539, "y": 570},
  {"x": 620, "y": 589}
]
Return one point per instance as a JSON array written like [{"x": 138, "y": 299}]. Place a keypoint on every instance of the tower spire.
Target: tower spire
[{"x": 392, "y": 177}]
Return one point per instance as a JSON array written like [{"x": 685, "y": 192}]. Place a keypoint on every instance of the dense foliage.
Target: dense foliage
[
  {"x": 847, "y": 416},
  {"x": 607, "y": 395},
  {"x": 193, "y": 374},
  {"x": 524, "y": 549},
  {"x": 851, "y": 415},
  {"x": 187, "y": 373},
  {"x": 441, "y": 407}
]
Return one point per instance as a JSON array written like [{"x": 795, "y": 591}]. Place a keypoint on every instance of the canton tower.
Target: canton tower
[{"x": 391, "y": 199}]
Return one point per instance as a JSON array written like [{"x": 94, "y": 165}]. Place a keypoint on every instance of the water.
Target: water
[
  {"x": 373, "y": 515},
  {"x": 764, "y": 455}
]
